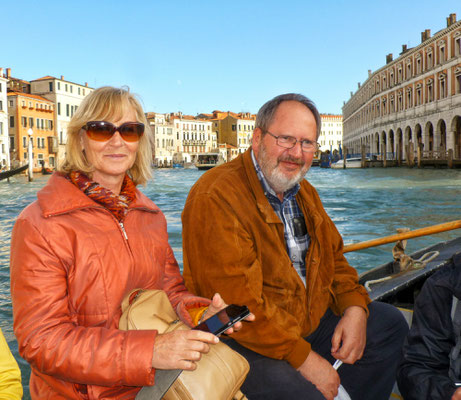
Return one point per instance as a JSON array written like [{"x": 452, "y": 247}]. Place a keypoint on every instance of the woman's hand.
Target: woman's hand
[
  {"x": 217, "y": 304},
  {"x": 181, "y": 349}
]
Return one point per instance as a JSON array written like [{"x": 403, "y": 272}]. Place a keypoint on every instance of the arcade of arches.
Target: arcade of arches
[{"x": 435, "y": 136}]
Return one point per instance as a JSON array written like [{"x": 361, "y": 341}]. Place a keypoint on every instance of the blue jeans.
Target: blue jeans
[{"x": 372, "y": 377}]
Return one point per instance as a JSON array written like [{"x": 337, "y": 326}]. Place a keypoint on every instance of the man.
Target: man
[
  {"x": 431, "y": 367},
  {"x": 255, "y": 231}
]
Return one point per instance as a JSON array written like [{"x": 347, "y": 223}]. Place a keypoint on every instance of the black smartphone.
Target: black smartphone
[{"x": 224, "y": 319}]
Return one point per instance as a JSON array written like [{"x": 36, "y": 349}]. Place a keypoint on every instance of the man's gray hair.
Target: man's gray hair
[{"x": 267, "y": 111}]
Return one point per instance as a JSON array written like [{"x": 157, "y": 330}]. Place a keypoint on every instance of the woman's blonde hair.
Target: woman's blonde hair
[{"x": 107, "y": 103}]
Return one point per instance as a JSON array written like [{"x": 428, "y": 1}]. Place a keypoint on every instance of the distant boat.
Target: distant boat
[
  {"x": 209, "y": 160},
  {"x": 355, "y": 162},
  {"x": 11, "y": 172}
]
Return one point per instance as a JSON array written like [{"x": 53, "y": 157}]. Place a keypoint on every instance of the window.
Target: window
[
  {"x": 1, "y": 128},
  {"x": 458, "y": 46},
  {"x": 1, "y": 105},
  {"x": 65, "y": 87},
  {"x": 0, "y": 87},
  {"x": 70, "y": 88},
  {"x": 442, "y": 86},
  {"x": 430, "y": 91},
  {"x": 24, "y": 142},
  {"x": 11, "y": 103},
  {"x": 24, "y": 122},
  {"x": 429, "y": 60},
  {"x": 67, "y": 110},
  {"x": 59, "y": 85},
  {"x": 12, "y": 122},
  {"x": 458, "y": 79},
  {"x": 59, "y": 107},
  {"x": 78, "y": 90},
  {"x": 50, "y": 86}
]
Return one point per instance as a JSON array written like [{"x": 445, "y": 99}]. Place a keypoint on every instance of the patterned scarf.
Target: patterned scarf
[{"x": 117, "y": 205}]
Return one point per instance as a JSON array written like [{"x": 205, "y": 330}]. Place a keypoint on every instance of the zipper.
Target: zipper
[{"x": 123, "y": 230}]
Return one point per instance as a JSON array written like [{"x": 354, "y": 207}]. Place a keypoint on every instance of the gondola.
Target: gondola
[{"x": 11, "y": 172}]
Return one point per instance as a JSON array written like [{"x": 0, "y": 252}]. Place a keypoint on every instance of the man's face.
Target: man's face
[{"x": 283, "y": 168}]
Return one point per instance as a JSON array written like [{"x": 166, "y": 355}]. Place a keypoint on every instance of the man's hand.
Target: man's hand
[
  {"x": 217, "y": 304},
  {"x": 350, "y": 336},
  {"x": 321, "y": 373},
  {"x": 456, "y": 395}
]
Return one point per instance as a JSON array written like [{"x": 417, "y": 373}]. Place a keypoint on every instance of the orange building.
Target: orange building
[{"x": 33, "y": 114}]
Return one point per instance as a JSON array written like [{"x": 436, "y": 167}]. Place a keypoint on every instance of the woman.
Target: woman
[{"x": 89, "y": 239}]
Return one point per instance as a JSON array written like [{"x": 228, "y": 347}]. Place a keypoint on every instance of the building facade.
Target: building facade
[
  {"x": 165, "y": 139},
  {"x": 412, "y": 102},
  {"x": 194, "y": 135},
  {"x": 331, "y": 134},
  {"x": 232, "y": 128},
  {"x": 31, "y": 117},
  {"x": 4, "y": 137},
  {"x": 67, "y": 97}
]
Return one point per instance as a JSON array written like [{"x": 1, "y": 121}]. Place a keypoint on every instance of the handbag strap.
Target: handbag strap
[{"x": 164, "y": 378}]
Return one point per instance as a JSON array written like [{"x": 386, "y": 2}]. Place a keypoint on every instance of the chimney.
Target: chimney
[
  {"x": 8, "y": 72},
  {"x": 369, "y": 72},
  {"x": 404, "y": 48},
  {"x": 451, "y": 20},
  {"x": 389, "y": 58},
  {"x": 1, "y": 72},
  {"x": 425, "y": 35},
  {"x": 352, "y": 93},
  {"x": 86, "y": 84},
  {"x": 62, "y": 77},
  {"x": 358, "y": 84}
]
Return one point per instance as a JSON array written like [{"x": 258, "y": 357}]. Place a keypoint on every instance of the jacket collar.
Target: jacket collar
[{"x": 60, "y": 196}]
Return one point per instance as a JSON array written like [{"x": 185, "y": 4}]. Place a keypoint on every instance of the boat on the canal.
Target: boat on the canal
[
  {"x": 13, "y": 171},
  {"x": 353, "y": 162},
  {"x": 209, "y": 160},
  {"x": 400, "y": 281}
]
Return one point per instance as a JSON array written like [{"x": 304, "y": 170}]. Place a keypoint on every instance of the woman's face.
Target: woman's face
[{"x": 113, "y": 158}]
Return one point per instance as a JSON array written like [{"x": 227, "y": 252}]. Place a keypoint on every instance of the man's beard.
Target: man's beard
[{"x": 276, "y": 179}]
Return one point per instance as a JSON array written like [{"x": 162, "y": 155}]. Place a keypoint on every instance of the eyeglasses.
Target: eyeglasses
[
  {"x": 288, "y": 142},
  {"x": 102, "y": 131}
]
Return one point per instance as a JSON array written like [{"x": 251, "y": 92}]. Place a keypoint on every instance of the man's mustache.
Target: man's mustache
[{"x": 292, "y": 159}]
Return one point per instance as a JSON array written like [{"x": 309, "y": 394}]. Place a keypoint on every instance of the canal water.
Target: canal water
[{"x": 364, "y": 204}]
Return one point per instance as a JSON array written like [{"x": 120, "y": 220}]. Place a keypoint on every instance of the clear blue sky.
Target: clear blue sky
[{"x": 198, "y": 56}]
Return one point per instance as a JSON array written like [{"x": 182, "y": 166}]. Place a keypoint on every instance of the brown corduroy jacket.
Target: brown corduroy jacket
[{"x": 234, "y": 244}]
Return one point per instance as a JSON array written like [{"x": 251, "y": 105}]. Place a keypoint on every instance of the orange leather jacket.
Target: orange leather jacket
[
  {"x": 234, "y": 244},
  {"x": 71, "y": 265}
]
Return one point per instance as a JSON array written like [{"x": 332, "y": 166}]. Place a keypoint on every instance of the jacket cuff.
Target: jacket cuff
[
  {"x": 190, "y": 303},
  {"x": 352, "y": 299},
  {"x": 137, "y": 358},
  {"x": 299, "y": 353}
]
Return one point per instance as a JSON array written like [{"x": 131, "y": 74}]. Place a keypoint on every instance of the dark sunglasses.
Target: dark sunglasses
[{"x": 102, "y": 131}]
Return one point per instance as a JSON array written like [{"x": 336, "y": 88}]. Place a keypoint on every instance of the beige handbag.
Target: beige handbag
[{"x": 219, "y": 373}]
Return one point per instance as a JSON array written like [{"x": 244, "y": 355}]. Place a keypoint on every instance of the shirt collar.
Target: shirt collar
[{"x": 268, "y": 191}]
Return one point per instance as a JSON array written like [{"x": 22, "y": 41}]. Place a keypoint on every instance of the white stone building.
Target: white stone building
[
  {"x": 193, "y": 136},
  {"x": 412, "y": 102},
  {"x": 331, "y": 135},
  {"x": 165, "y": 139},
  {"x": 66, "y": 96},
  {"x": 4, "y": 137}
]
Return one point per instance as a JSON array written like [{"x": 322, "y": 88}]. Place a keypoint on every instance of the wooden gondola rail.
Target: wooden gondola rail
[{"x": 447, "y": 226}]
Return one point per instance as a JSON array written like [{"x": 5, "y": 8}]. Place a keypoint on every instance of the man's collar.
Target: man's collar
[{"x": 290, "y": 193}]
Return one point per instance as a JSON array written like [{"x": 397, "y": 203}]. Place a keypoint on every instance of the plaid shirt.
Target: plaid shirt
[{"x": 296, "y": 236}]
